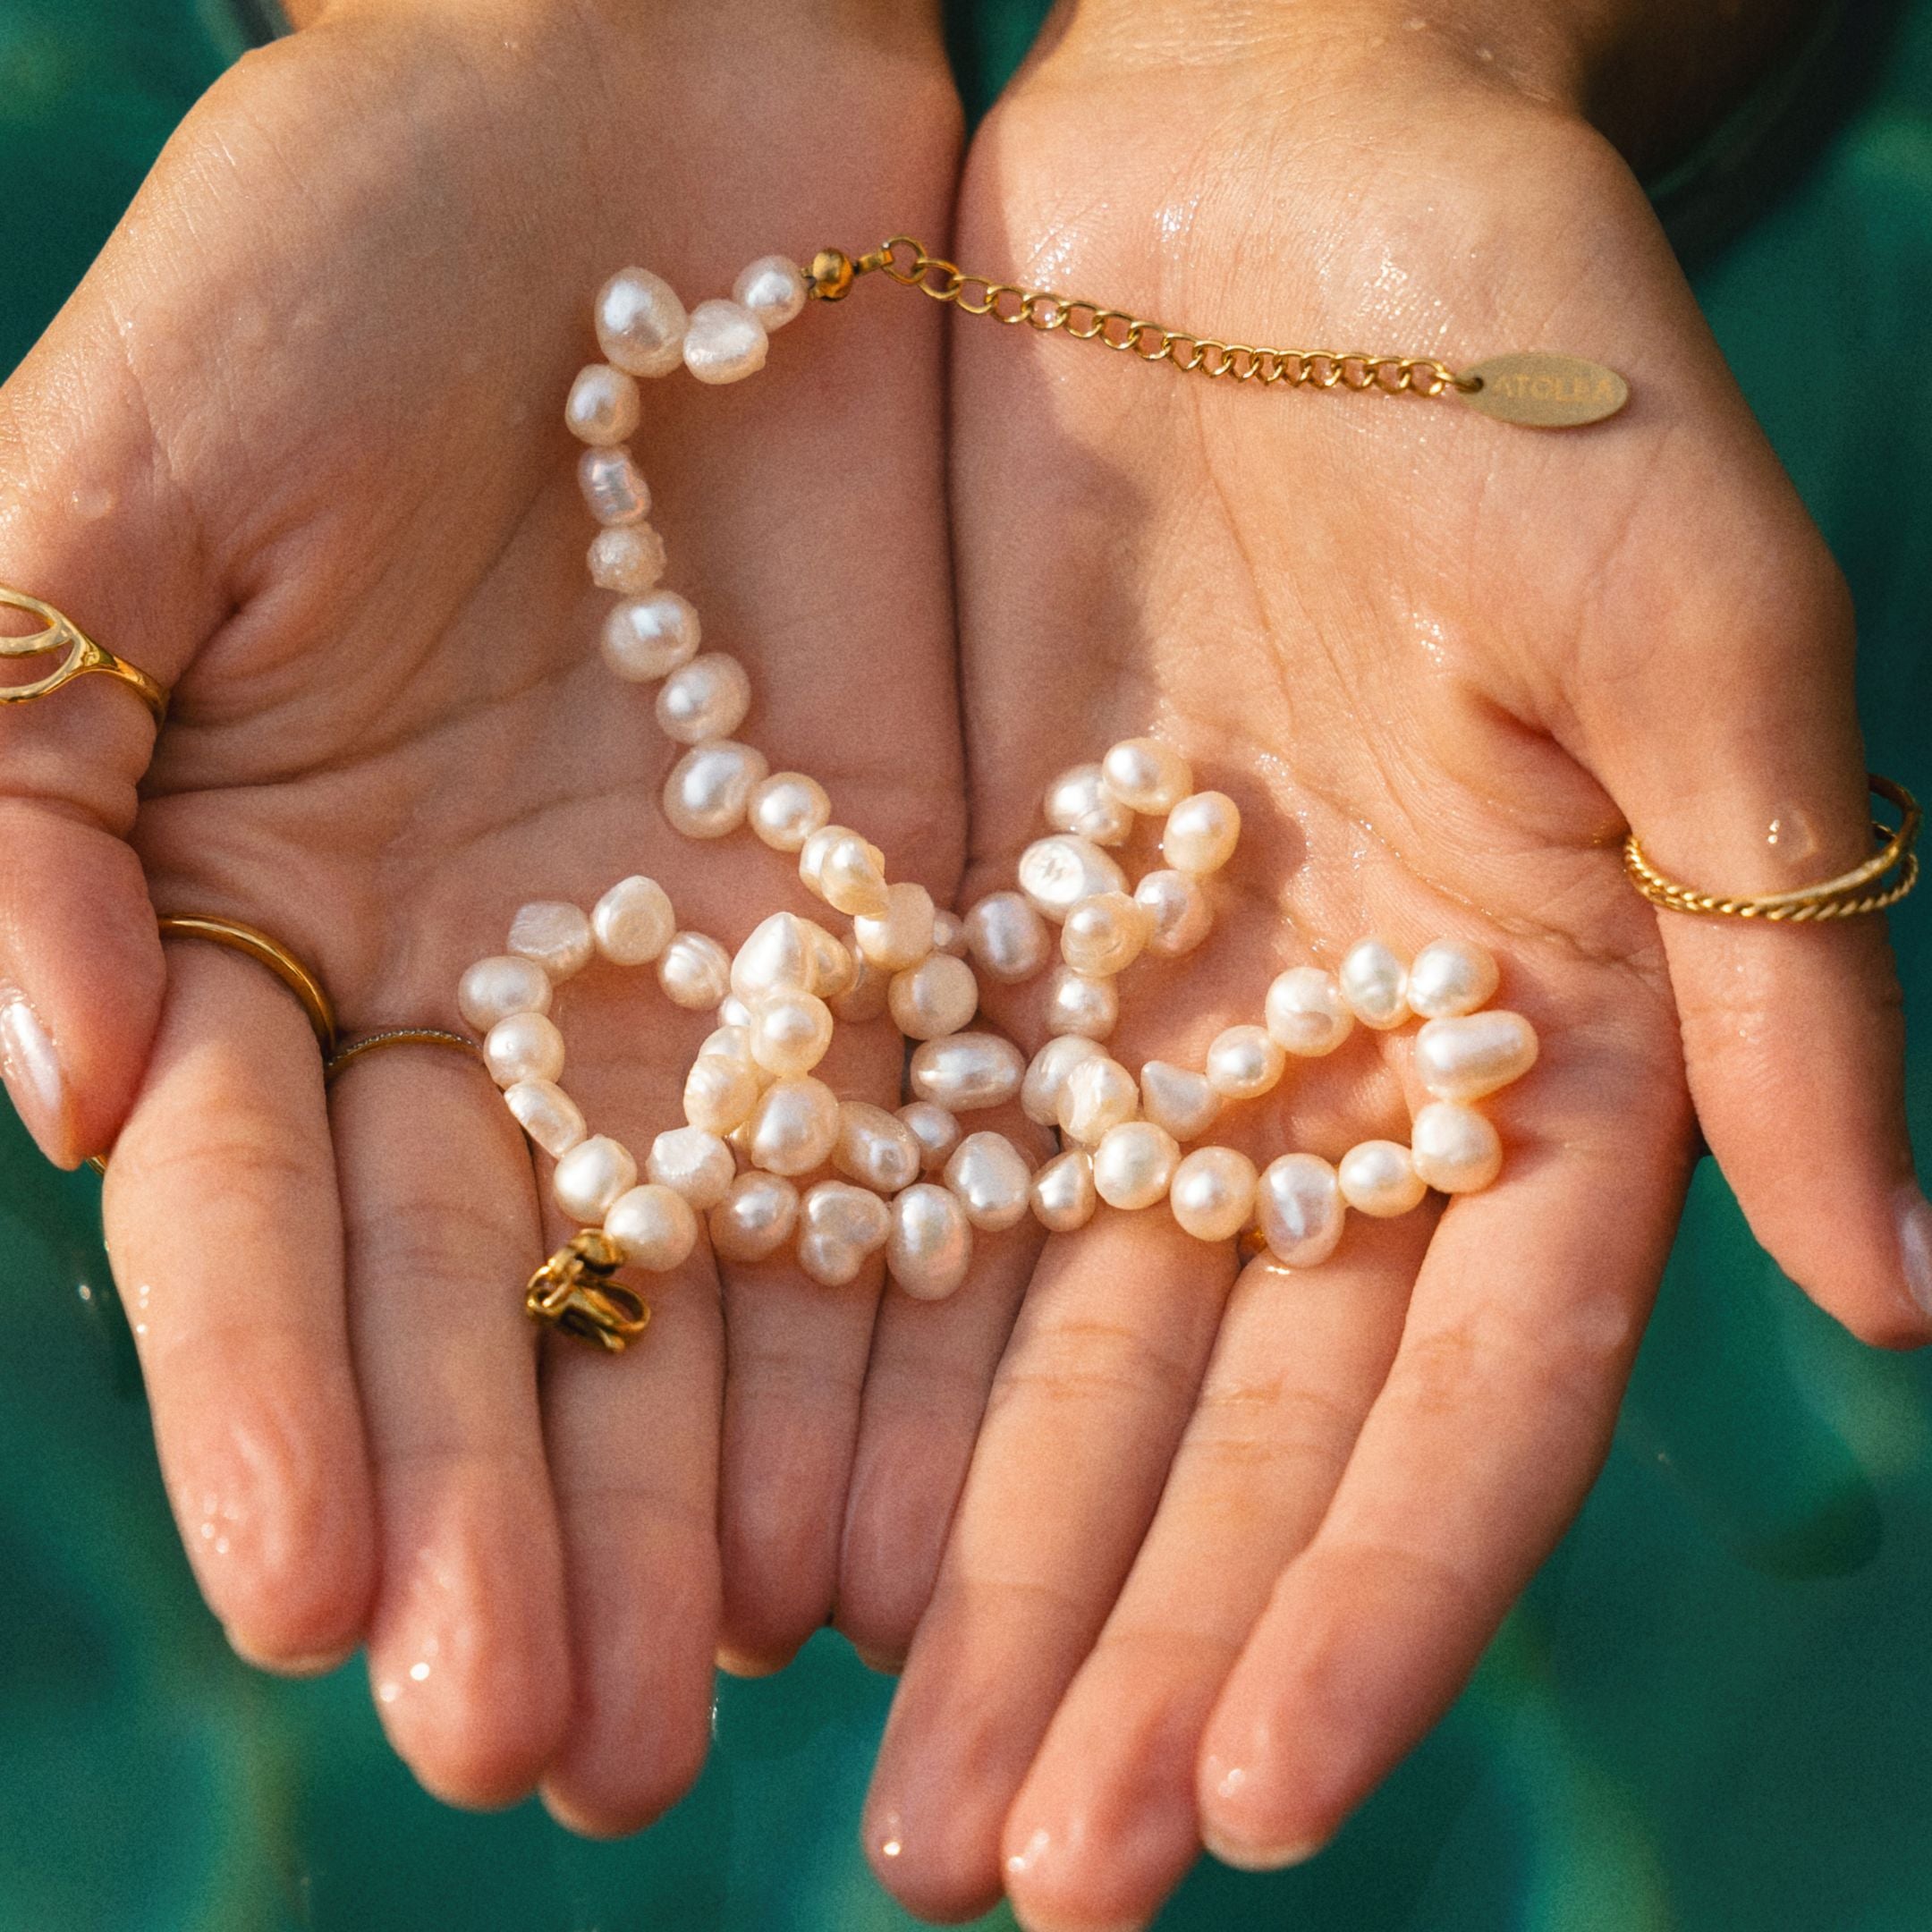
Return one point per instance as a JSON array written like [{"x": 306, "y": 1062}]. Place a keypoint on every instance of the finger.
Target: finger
[
  {"x": 221, "y": 1215},
  {"x": 1105, "y": 1823},
  {"x": 1086, "y": 1410},
  {"x": 467, "y": 1647},
  {"x": 1494, "y": 1418}
]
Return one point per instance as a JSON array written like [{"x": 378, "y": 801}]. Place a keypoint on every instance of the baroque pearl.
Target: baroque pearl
[
  {"x": 548, "y": 1114},
  {"x": 1467, "y": 1057},
  {"x": 591, "y": 1176},
  {"x": 930, "y": 1246},
  {"x": 1146, "y": 775},
  {"x": 494, "y": 988},
  {"x": 1179, "y": 910},
  {"x": 1305, "y": 1012},
  {"x": 692, "y": 1162},
  {"x": 949, "y": 934},
  {"x": 790, "y": 1032},
  {"x": 694, "y": 970},
  {"x": 1212, "y": 1193},
  {"x": 603, "y": 407},
  {"x": 1103, "y": 936},
  {"x": 1097, "y": 1096},
  {"x": 629, "y": 559},
  {"x": 756, "y": 1217},
  {"x": 1078, "y": 801},
  {"x": 1299, "y": 1205},
  {"x": 724, "y": 341},
  {"x": 555, "y": 935},
  {"x": 901, "y": 934},
  {"x": 731, "y": 1041},
  {"x": 1179, "y": 1099},
  {"x": 1202, "y": 834},
  {"x": 720, "y": 1093},
  {"x": 649, "y": 637},
  {"x": 780, "y": 955},
  {"x": 1133, "y": 1165},
  {"x": 844, "y": 1223},
  {"x": 1376, "y": 985},
  {"x": 966, "y": 1071},
  {"x": 938, "y": 996},
  {"x": 1378, "y": 1178},
  {"x": 710, "y": 787},
  {"x": 653, "y": 1227},
  {"x": 1243, "y": 1063},
  {"x": 523, "y": 1047},
  {"x": 991, "y": 1178},
  {"x": 1064, "y": 1195},
  {"x": 1454, "y": 1147},
  {"x": 795, "y": 1126},
  {"x": 633, "y": 922},
  {"x": 1449, "y": 977},
  {"x": 1047, "y": 1075},
  {"x": 935, "y": 1131},
  {"x": 1007, "y": 937},
  {"x": 845, "y": 870},
  {"x": 1057, "y": 873},
  {"x": 707, "y": 698},
  {"x": 1078, "y": 1004},
  {"x": 640, "y": 322},
  {"x": 614, "y": 488},
  {"x": 787, "y": 808},
  {"x": 770, "y": 288},
  {"x": 875, "y": 1149}
]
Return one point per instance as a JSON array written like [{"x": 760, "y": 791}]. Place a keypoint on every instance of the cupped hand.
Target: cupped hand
[
  {"x": 296, "y": 448},
  {"x": 1232, "y": 1539}
]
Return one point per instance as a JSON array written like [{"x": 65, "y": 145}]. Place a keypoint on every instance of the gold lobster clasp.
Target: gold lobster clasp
[{"x": 574, "y": 1291}]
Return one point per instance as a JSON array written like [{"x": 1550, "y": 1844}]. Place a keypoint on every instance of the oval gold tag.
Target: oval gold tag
[{"x": 1547, "y": 392}]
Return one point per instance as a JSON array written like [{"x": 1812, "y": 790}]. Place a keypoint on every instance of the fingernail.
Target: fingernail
[
  {"x": 1915, "y": 1243},
  {"x": 31, "y": 1070},
  {"x": 1244, "y": 1856}
]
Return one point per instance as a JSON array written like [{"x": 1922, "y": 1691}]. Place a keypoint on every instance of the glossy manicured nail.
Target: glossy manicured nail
[
  {"x": 1915, "y": 1243},
  {"x": 31, "y": 1070},
  {"x": 1229, "y": 1781}
]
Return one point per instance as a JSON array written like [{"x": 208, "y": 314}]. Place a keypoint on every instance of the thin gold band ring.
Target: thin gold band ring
[
  {"x": 265, "y": 952},
  {"x": 83, "y": 656},
  {"x": 345, "y": 1058}
]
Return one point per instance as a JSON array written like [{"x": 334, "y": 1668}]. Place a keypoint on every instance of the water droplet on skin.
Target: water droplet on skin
[{"x": 91, "y": 503}]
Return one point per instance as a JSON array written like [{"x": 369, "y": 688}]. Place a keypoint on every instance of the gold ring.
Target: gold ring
[
  {"x": 1844, "y": 897},
  {"x": 83, "y": 655},
  {"x": 346, "y": 1056},
  {"x": 265, "y": 952}
]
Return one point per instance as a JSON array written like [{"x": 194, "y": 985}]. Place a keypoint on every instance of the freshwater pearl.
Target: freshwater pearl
[
  {"x": 629, "y": 559},
  {"x": 949, "y": 934},
  {"x": 1305, "y": 1012},
  {"x": 1057, "y": 873},
  {"x": 865, "y": 999},
  {"x": 1378, "y": 1177},
  {"x": 707, "y": 698},
  {"x": 935, "y": 1131},
  {"x": 991, "y": 1178},
  {"x": 548, "y": 1114},
  {"x": 1047, "y": 1075},
  {"x": 1202, "y": 834},
  {"x": 1078, "y": 1004},
  {"x": 772, "y": 289},
  {"x": 640, "y": 322},
  {"x": 1212, "y": 1193},
  {"x": 1146, "y": 775},
  {"x": 603, "y": 407},
  {"x": 1454, "y": 1149},
  {"x": 1007, "y": 937},
  {"x": 901, "y": 934},
  {"x": 710, "y": 787},
  {"x": 653, "y": 1227},
  {"x": 555, "y": 935},
  {"x": 1104, "y": 935},
  {"x": 755, "y": 1219},
  {"x": 494, "y": 988},
  {"x": 795, "y": 1126},
  {"x": 1078, "y": 801},
  {"x": 524, "y": 1046},
  {"x": 1132, "y": 1167},
  {"x": 694, "y": 970},
  {"x": 787, "y": 808},
  {"x": 1062, "y": 1193},
  {"x": 930, "y": 1245},
  {"x": 875, "y": 1149},
  {"x": 843, "y": 1226},
  {"x": 633, "y": 922},
  {"x": 817, "y": 848},
  {"x": 1244, "y": 1063},
  {"x": 720, "y": 1093},
  {"x": 730, "y": 1041},
  {"x": 1465, "y": 1058},
  {"x": 724, "y": 341},
  {"x": 1376, "y": 985},
  {"x": 1179, "y": 1099},
  {"x": 1299, "y": 1205},
  {"x": 845, "y": 870},
  {"x": 835, "y": 965},
  {"x": 1181, "y": 914},
  {"x": 693, "y": 1163},
  {"x": 779, "y": 956},
  {"x": 614, "y": 488},
  {"x": 591, "y": 1176},
  {"x": 966, "y": 1071},
  {"x": 1449, "y": 977},
  {"x": 938, "y": 996},
  {"x": 1097, "y": 1096},
  {"x": 649, "y": 637},
  {"x": 790, "y": 1032}
]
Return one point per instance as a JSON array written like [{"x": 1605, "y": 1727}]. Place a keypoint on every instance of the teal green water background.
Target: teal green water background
[{"x": 1712, "y": 1711}]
